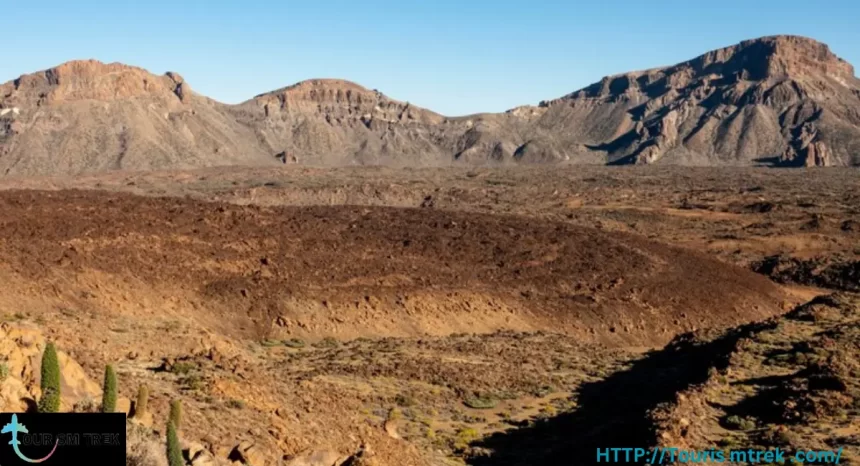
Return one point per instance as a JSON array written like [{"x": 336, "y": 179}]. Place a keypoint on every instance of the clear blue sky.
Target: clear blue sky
[{"x": 452, "y": 56}]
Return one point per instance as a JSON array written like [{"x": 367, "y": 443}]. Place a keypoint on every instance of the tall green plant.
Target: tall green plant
[
  {"x": 142, "y": 403},
  {"x": 109, "y": 390},
  {"x": 50, "y": 383},
  {"x": 176, "y": 414},
  {"x": 174, "y": 450}
]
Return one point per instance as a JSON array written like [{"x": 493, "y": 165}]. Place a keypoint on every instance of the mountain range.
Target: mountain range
[{"x": 778, "y": 101}]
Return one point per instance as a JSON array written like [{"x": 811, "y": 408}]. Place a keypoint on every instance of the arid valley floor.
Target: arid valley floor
[{"x": 481, "y": 316}]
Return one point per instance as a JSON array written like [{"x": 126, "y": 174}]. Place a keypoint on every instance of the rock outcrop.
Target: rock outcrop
[{"x": 21, "y": 348}]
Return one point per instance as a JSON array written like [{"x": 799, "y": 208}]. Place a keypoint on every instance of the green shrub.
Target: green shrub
[
  {"x": 543, "y": 391},
  {"x": 176, "y": 413},
  {"x": 395, "y": 414},
  {"x": 174, "y": 450},
  {"x": 235, "y": 404},
  {"x": 271, "y": 343},
  {"x": 109, "y": 390},
  {"x": 183, "y": 367},
  {"x": 404, "y": 400},
  {"x": 548, "y": 411},
  {"x": 50, "y": 383},
  {"x": 4, "y": 371},
  {"x": 483, "y": 402},
  {"x": 464, "y": 437},
  {"x": 193, "y": 382},
  {"x": 294, "y": 343},
  {"x": 740, "y": 423}
]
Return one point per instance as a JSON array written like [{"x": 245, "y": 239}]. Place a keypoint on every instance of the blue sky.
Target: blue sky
[{"x": 455, "y": 57}]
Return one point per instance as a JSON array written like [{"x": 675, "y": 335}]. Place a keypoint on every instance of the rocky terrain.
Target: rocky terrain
[
  {"x": 780, "y": 100},
  {"x": 480, "y": 316},
  {"x": 797, "y": 227},
  {"x": 327, "y": 271},
  {"x": 788, "y": 382}
]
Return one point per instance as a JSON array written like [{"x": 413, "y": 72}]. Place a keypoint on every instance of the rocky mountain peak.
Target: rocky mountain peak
[
  {"x": 774, "y": 57},
  {"x": 768, "y": 59},
  {"x": 89, "y": 80}
]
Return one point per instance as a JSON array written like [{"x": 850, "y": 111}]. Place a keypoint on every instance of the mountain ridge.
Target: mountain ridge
[{"x": 778, "y": 100}]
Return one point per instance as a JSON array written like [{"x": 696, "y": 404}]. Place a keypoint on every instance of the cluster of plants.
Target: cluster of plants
[{"x": 49, "y": 402}]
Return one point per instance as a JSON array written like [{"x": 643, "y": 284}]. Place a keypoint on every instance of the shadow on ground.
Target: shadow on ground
[{"x": 613, "y": 412}]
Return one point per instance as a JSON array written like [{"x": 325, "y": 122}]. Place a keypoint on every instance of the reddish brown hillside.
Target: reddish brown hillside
[{"x": 346, "y": 271}]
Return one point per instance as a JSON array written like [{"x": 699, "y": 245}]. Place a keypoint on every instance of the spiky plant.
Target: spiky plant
[
  {"x": 50, "y": 383},
  {"x": 174, "y": 450},
  {"x": 176, "y": 414},
  {"x": 109, "y": 390},
  {"x": 140, "y": 406}
]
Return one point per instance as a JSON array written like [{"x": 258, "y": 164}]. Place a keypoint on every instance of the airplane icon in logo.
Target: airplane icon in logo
[{"x": 14, "y": 428}]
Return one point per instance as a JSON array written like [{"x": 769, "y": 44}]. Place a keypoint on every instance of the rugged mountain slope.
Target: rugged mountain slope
[
  {"x": 339, "y": 122},
  {"x": 781, "y": 100},
  {"x": 789, "y": 98},
  {"x": 89, "y": 116}
]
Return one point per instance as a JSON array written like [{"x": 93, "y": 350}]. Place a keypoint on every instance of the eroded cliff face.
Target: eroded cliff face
[
  {"x": 91, "y": 80},
  {"x": 780, "y": 100},
  {"x": 343, "y": 102},
  {"x": 785, "y": 97}
]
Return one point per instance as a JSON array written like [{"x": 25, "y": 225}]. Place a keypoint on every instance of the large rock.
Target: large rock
[
  {"x": 363, "y": 457},
  {"x": 22, "y": 345},
  {"x": 249, "y": 453},
  {"x": 14, "y": 396},
  {"x": 196, "y": 455},
  {"x": 123, "y": 405}
]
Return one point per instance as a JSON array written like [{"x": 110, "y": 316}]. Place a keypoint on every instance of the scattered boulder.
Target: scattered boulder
[
  {"x": 391, "y": 428},
  {"x": 285, "y": 158},
  {"x": 364, "y": 457},
  {"x": 249, "y": 453},
  {"x": 181, "y": 89},
  {"x": 807, "y": 149},
  {"x": 196, "y": 454},
  {"x": 14, "y": 396}
]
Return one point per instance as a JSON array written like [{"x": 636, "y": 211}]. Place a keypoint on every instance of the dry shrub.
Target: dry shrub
[{"x": 143, "y": 448}]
